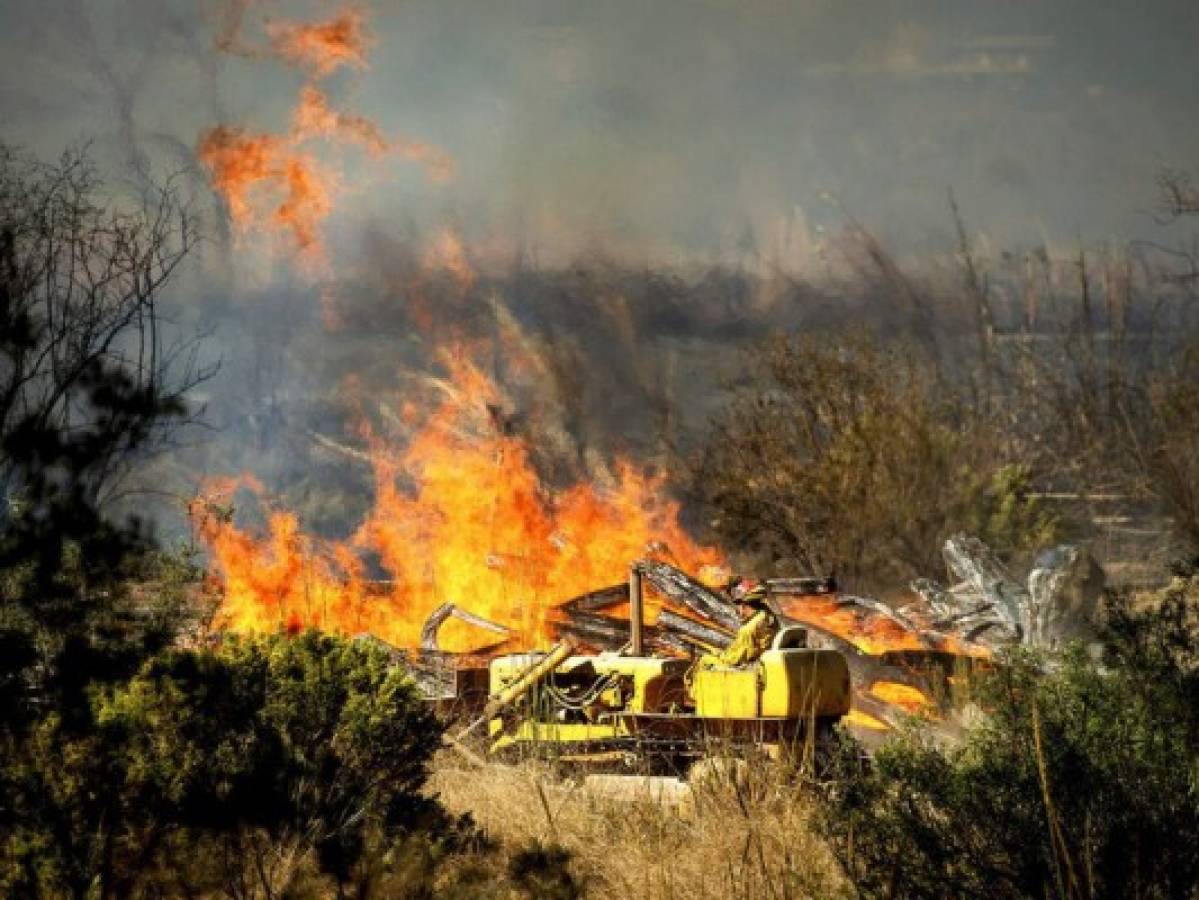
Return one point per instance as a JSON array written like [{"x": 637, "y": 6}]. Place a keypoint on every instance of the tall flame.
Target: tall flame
[
  {"x": 297, "y": 187},
  {"x": 272, "y": 182},
  {"x": 460, "y": 516},
  {"x": 447, "y": 254}
]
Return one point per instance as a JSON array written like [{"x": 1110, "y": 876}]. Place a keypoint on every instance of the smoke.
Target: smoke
[
  {"x": 638, "y": 194},
  {"x": 673, "y": 132}
]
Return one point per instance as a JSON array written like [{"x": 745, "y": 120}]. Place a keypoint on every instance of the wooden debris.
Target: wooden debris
[
  {"x": 428, "y": 633},
  {"x": 710, "y": 637},
  {"x": 679, "y": 587}
]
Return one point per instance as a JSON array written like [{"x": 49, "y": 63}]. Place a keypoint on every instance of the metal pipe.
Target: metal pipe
[
  {"x": 524, "y": 683},
  {"x": 636, "y": 613}
]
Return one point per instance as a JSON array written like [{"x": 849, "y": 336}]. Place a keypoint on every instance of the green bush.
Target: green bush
[
  {"x": 214, "y": 765},
  {"x": 1005, "y": 515},
  {"x": 1082, "y": 780}
]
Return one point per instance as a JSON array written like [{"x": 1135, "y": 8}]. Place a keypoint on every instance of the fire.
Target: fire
[
  {"x": 860, "y": 719},
  {"x": 907, "y": 697},
  {"x": 870, "y": 633},
  {"x": 447, "y": 254},
  {"x": 273, "y": 182},
  {"x": 314, "y": 117},
  {"x": 460, "y": 516},
  {"x": 256, "y": 171},
  {"x": 239, "y": 162},
  {"x": 323, "y": 47}
]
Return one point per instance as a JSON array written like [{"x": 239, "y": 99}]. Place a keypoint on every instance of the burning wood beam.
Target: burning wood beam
[
  {"x": 611, "y": 632},
  {"x": 709, "y": 637},
  {"x": 428, "y": 634},
  {"x": 820, "y": 584},
  {"x": 679, "y": 587},
  {"x": 879, "y": 608},
  {"x": 597, "y": 600}
]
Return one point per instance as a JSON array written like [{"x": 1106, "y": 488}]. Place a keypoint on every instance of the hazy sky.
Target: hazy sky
[{"x": 675, "y": 126}]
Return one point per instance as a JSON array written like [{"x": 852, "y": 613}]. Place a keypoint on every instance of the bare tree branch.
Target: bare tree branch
[{"x": 81, "y": 277}]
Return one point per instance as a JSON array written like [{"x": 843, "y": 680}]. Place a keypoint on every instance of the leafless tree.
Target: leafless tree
[
  {"x": 81, "y": 277},
  {"x": 848, "y": 456},
  {"x": 1179, "y": 193},
  {"x": 1179, "y": 199}
]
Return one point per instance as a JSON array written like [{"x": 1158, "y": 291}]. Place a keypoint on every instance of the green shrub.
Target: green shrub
[
  {"x": 209, "y": 762},
  {"x": 1006, "y": 516},
  {"x": 1081, "y": 781}
]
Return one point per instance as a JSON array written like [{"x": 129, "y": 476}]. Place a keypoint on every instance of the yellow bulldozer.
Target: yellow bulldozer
[{"x": 659, "y": 713}]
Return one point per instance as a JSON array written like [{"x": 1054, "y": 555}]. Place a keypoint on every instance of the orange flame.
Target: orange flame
[
  {"x": 858, "y": 718},
  {"x": 907, "y": 697},
  {"x": 324, "y": 47},
  {"x": 267, "y": 180},
  {"x": 459, "y": 516},
  {"x": 314, "y": 117},
  {"x": 253, "y": 171},
  {"x": 869, "y": 632},
  {"x": 447, "y": 254}
]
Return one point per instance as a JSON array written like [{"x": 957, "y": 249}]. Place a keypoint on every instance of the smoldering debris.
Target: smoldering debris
[
  {"x": 428, "y": 635},
  {"x": 1057, "y": 601},
  {"x": 903, "y": 662}
]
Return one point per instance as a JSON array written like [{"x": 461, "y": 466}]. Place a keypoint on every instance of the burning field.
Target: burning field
[
  {"x": 466, "y": 554},
  {"x": 469, "y": 549},
  {"x": 460, "y": 516}
]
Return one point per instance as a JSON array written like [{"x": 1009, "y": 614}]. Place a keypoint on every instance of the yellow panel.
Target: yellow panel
[
  {"x": 803, "y": 683},
  {"x": 723, "y": 692},
  {"x": 530, "y": 731}
]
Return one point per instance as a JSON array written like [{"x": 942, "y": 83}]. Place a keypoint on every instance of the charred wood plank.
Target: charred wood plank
[
  {"x": 808, "y": 584},
  {"x": 614, "y": 629},
  {"x": 608, "y": 633},
  {"x": 696, "y": 632},
  {"x": 881, "y": 609},
  {"x": 679, "y": 587},
  {"x": 428, "y": 633},
  {"x": 587, "y": 634},
  {"x": 597, "y": 600}
]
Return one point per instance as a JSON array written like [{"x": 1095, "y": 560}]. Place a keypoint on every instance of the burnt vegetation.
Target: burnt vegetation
[
  {"x": 1030, "y": 395},
  {"x": 844, "y": 427}
]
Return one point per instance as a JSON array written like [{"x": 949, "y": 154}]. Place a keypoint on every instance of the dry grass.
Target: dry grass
[{"x": 750, "y": 839}]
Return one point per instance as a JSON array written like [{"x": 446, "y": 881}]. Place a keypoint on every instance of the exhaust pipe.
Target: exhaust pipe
[{"x": 636, "y": 612}]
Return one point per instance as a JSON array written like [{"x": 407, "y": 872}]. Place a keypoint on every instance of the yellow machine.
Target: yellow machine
[{"x": 662, "y": 713}]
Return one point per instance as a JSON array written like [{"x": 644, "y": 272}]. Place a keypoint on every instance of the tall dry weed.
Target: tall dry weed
[{"x": 747, "y": 836}]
